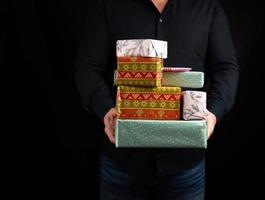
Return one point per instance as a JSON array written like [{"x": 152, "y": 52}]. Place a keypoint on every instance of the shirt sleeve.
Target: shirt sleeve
[
  {"x": 223, "y": 70},
  {"x": 91, "y": 64}
]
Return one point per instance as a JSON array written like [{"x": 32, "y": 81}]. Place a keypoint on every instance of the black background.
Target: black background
[{"x": 53, "y": 141}]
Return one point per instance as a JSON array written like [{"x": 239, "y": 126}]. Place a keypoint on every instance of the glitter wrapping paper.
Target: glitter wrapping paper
[
  {"x": 194, "y": 105},
  {"x": 139, "y": 71},
  {"x": 161, "y": 133},
  {"x": 191, "y": 79},
  {"x": 142, "y": 48},
  {"x": 148, "y": 102}
]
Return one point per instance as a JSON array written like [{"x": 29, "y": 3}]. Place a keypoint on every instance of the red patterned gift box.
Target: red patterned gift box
[
  {"x": 148, "y": 102},
  {"x": 139, "y": 71}
]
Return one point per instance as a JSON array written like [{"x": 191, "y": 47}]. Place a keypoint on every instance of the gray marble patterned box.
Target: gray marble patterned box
[
  {"x": 142, "y": 48},
  {"x": 194, "y": 105}
]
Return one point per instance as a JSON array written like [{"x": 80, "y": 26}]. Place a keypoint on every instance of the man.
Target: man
[{"x": 198, "y": 36}]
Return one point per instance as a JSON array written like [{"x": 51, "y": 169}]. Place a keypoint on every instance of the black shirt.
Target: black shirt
[{"x": 198, "y": 36}]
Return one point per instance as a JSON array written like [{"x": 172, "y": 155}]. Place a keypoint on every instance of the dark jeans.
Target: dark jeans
[{"x": 117, "y": 184}]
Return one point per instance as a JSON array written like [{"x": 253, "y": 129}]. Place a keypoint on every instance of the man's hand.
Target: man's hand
[
  {"x": 211, "y": 122},
  {"x": 109, "y": 122}
]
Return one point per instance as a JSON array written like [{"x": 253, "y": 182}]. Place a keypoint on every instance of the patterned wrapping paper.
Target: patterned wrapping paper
[
  {"x": 194, "y": 105},
  {"x": 139, "y": 71},
  {"x": 142, "y": 48},
  {"x": 190, "y": 79},
  {"x": 148, "y": 102},
  {"x": 161, "y": 133}
]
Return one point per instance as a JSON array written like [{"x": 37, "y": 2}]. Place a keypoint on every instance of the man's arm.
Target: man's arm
[
  {"x": 91, "y": 64},
  {"x": 223, "y": 71}
]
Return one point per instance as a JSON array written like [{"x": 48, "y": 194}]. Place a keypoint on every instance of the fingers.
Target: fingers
[
  {"x": 109, "y": 121},
  {"x": 210, "y": 129},
  {"x": 211, "y": 121},
  {"x": 110, "y": 131}
]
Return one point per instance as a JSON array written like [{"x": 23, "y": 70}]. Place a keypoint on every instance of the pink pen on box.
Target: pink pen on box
[{"x": 176, "y": 69}]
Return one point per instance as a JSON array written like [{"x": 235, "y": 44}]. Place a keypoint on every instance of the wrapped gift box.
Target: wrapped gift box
[
  {"x": 194, "y": 105},
  {"x": 148, "y": 102},
  {"x": 142, "y": 48},
  {"x": 139, "y": 71},
  {"x": 190, "y": 79},
  {"x": 161, "y": 133}
]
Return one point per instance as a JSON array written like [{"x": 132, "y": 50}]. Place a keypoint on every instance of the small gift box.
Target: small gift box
[
  {"x": 189, "y": 79},
  {"x": 141, "y": 48},
  {"x": 148, "y": 102},
  {"x": 161, "y": 133},
  {"x": 139, "y": 71},
  {"x": 194, "y": 105}
]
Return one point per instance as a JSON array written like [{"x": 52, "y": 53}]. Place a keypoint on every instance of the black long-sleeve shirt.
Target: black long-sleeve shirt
[{"x": 198, "y": 36}]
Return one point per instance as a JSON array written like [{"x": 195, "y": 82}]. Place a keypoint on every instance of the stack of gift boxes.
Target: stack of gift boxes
[{"x": 155, "y": 109}]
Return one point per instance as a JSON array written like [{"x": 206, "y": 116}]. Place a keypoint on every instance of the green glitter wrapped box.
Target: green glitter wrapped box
[
  {"x": 161, "y": 133},
  {"x": 190, "y": 79}
]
